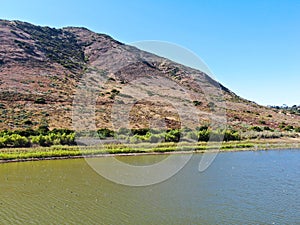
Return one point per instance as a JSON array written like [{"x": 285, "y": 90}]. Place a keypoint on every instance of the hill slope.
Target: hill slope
[{"x": 42, "y": 67}]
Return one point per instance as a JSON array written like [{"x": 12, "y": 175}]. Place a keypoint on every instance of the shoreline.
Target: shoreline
[{"x": 239, "y": 146}]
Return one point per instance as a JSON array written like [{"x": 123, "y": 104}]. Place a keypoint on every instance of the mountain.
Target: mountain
[{"x": 43, "y": 70}]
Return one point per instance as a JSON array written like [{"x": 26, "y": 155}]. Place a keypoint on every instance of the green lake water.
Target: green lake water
[{"x": 260, "y": 187}]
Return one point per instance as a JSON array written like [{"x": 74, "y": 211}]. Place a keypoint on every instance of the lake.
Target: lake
[{"x": 251, "y": 187}]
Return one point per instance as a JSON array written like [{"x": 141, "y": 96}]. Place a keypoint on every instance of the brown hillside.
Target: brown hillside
[{"x": 42, "y": 68}]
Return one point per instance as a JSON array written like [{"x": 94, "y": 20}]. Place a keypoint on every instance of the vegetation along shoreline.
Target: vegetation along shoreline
[{"x": 43, "y": 144}]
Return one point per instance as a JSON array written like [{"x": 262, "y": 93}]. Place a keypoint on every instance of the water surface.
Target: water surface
[{"x": 260, "y": 187}]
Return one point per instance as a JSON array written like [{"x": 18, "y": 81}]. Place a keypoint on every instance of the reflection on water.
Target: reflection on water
[{"x": 238, "y": 188}]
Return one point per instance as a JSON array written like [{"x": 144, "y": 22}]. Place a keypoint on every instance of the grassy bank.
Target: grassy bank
[{"x": 54, "y": 152}]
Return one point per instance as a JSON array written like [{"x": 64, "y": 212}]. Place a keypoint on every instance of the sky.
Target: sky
[{"x": 252, "y": 47}]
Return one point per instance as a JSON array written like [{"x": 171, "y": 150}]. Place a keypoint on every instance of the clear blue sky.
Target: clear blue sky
[{"x": 252, "y": 47}]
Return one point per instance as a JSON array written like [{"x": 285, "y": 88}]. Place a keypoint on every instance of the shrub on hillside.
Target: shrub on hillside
[
  {"x": 62, "y": 131},
  {"x": 288, "y": 128},
  {"x": 256, "y": 128},
  {"x": 197, "y": 103},
  {"x": 40, "y": 101}
]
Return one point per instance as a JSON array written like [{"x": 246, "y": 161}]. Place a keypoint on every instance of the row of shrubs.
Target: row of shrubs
[
  {"x": 41, "y": 137},
  {"x": 282, "y": 127},
  {"x": 267, "y": 134},
  {"x": 44, "y": 130},
  {"x": 153, "y": 136},
  {"x": 16, "y": 140},
  {"x": 44, "y": 137}
]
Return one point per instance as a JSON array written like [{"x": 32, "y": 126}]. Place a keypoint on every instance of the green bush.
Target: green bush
[
  {"x": 134, "y": 140},
  {"x": 14, "y": 140},
  {"x": 105, "y": 132},
  {"x": 43, "y": 129},
  {"x": 268, "y": 129},
  {"x": 53, "y": 139},
  {"x": 26, "y": 133},
  {"x": 282, "y": 125},
  {"x": 204, "y": 127},
  {"x": 256, "y": 128},
  {"x": 142, "y": 131},
  {"x": 144, "y": 138},
  {"x": 40, "y": 140},
  {"x": 42, "y": 137},
  {"x": 2, "y": 144},
  {"x": 115, "y": 91},
  {"x": 288, "y": 128},
  {"x": 231, "y": 135},
  {"x": 172, "y": 136},
  {"x": 227, "y": 135},
  {"x": 61, "y": 131},
  {"x": 28, "y": 122},
  {"x": 203, "y": 135},
  {"x": 262, "y": 122},
  {"x": 197, "y": 103}
]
